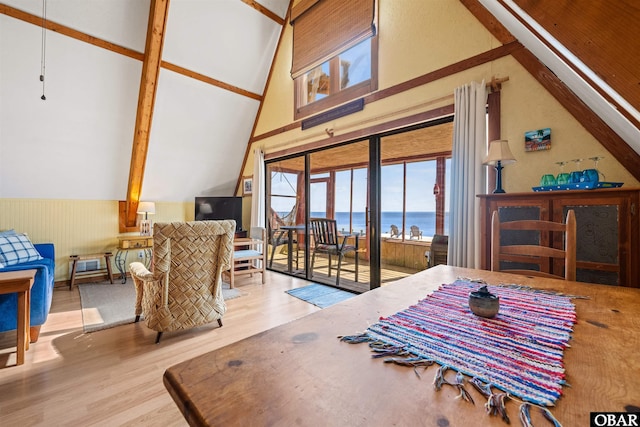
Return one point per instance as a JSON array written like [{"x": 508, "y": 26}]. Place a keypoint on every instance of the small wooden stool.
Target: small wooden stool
[{"x": 76, "y": 258}]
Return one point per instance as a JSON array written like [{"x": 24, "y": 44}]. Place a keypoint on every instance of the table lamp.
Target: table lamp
[
  {"x": 499, "y": 154},
  {"x": 146, "y": 208}
]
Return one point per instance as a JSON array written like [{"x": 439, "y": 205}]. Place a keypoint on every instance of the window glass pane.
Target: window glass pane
[
  {"x": 283, "y": 183},
  {"x": 317, "y": 83},
  {"x": 359, "y": 200},
  {"x": 343, "y": 199},
  {"x": 320, "y": 175},
  {"x": 355, "y": 64},
  {"x": 318, "y": 198},
  {"x": 421, "y": 203},
  {"x": 391, "y": 198}
]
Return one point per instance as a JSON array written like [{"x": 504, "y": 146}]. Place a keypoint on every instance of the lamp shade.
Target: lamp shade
[
  {"x": 499, "y": 151},
  {"x": 146, "y": 208}
]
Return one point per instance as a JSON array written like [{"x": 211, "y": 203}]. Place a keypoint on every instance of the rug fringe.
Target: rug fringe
[
  {"x": 412, "y": 338},
  {"x": 355, "y": 339},
  {"x": 525, "y": 416}
]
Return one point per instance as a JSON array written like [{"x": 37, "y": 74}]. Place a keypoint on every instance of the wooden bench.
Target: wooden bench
[{"x": 76, "y": 258}]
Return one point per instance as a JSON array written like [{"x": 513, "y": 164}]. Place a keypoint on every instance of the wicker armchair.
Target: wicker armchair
[{"x": 185, "y": 288}]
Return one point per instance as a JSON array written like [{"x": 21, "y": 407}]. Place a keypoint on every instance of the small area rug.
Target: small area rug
[
  {"x": 105, "y": 305},
  {"x": 519, "y": 351},
  {"x": 320, "y": 295}
]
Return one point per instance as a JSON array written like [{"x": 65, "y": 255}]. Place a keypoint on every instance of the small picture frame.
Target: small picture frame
[
  {"x": 537, "y": 140},
  {"x": 247, "y": 186}
]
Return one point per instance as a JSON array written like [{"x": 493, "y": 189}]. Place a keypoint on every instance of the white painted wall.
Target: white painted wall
[
  {"x": 77, "y": 143},
  {"x": 198, "y": 139},
  {"x": 226, "y": 40}
]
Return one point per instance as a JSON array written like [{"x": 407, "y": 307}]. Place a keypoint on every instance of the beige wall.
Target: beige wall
[
  {"x": 414, "y": 40},
  {"x": 77, "y": 226}
]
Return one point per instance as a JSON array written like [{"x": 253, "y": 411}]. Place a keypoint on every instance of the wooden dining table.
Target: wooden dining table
[{"x": 300, "y": 373}]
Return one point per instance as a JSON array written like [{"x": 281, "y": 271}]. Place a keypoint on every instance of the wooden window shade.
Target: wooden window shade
[{"x": 324, "y": 28}]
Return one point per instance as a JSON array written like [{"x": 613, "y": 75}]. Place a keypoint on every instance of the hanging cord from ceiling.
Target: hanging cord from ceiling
[{"x": 44, "y": 47}]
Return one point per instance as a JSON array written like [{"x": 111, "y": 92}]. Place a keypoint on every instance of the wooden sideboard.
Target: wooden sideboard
[{"x": 608, "y": 241}]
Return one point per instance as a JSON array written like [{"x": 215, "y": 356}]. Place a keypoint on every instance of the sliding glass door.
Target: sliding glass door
[
  {"x": 285, "y": 209},
  {"x": 338, "y": 188},
  {"x": 414, "y": 202},
  {"x": 378, "y": 202}
]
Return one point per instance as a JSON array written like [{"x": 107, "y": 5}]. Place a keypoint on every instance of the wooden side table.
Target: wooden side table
[
  {"x": 75, "y": 258},
  {"x": 130, "y": 243},
  {"x": 21, "y": 283}
]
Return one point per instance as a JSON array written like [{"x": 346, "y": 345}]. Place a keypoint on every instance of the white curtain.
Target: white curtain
[
  {"x": 467, "y": 174},
  {"x": 257, "y": 195}
]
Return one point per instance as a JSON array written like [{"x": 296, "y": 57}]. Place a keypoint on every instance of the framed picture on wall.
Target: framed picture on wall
[
  {"x": 247, "y": 186},
  {"x": 537, "y": 140}
]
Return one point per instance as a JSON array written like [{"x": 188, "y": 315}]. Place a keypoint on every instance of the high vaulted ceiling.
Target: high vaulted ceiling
[{"x": 215, "y": 62}]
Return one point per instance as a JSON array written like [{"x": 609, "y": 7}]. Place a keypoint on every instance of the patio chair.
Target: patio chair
[
  {"x": 415, "y": 232},
  {"x": 327, "y": 241},
  {"x": 437, "y": 253},
  {"x": 394, "y": 231},
  {"x": 185, "y": 288},
  {"x": 534, "y": 259}
]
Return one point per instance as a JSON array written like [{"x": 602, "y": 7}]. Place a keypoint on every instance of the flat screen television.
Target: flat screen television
[{"x": 219, "y": 208}]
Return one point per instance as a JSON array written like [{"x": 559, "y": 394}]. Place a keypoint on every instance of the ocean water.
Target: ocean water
[{"x": 426, "y": 221}]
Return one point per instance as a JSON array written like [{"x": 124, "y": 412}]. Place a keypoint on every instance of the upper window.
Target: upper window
[{"x": 334, "y": 53}]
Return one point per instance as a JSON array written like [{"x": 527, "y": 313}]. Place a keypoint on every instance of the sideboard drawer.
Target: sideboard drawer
[{"x": 134, "y": 242}]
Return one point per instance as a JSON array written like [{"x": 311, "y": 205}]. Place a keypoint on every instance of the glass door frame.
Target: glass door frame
[{"x": 373, "y": 214}]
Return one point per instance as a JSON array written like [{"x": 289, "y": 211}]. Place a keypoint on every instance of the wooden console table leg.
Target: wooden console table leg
[
  {"x": 73, "y": 272},
  {"x": 22, "y": 328},
  {"x": 20, "y": 283},
  {"x": 107, "y": 259}
]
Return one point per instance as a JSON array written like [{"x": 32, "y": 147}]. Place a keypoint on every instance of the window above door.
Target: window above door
[{"x": 334, "y": 53}]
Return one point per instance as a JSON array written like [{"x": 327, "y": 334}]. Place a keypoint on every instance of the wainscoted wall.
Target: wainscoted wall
[{"x": 77, "y": 226}]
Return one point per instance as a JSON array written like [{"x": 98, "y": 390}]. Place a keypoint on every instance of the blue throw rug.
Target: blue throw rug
[{"x": 320, "y": 295}]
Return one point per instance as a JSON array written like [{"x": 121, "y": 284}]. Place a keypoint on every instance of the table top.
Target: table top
[
  {"x": 301, "y": 374},
  {"x": 16, "y": 281}
]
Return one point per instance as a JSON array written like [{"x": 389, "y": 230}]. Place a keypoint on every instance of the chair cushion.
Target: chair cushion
[
  {"x": 334, "y": 249},
  {"x": 16, "y": 249},
  {"x": 246, "y": 253}
]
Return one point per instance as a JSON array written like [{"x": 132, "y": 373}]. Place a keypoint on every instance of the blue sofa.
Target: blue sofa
[{"x": 41, "y": 292}]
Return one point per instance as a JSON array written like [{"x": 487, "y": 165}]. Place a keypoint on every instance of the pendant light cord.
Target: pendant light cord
[{"x": 44, "y": 46}]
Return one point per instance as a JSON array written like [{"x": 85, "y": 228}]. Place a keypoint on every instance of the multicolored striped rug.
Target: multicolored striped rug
[{"x": 519, "y": 351}]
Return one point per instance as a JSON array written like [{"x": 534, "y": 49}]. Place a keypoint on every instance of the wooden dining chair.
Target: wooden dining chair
[
  {"x": 327, "y": 241},
  {"x": 535, "y": 256},
  {"x": 249, "y": 255}
]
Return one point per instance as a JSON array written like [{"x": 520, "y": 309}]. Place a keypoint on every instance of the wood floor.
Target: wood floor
[{"x": 114, "y": 377}]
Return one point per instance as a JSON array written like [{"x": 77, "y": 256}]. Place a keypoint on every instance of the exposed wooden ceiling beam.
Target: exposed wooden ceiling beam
[
  {"x": 80, "y": 36},
  {"x": 565, "y": 96},
  {"x": 213, "y": 82},
  {"x": 158, "y": 12},
  {"x": 69, "y": 32},
  {"x": 266, "y": 12},
  {"x": 602, "y": 35}
]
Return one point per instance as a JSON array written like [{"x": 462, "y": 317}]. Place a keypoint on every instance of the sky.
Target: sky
[{"x": 421, "y": 178}]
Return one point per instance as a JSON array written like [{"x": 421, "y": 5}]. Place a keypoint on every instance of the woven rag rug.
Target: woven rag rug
[{"x": 519, "y": 351}]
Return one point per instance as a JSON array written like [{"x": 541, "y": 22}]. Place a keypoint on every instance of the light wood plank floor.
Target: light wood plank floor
[{"x": 114, "y": 377}]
